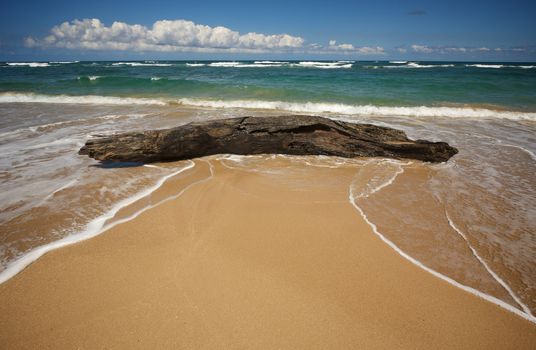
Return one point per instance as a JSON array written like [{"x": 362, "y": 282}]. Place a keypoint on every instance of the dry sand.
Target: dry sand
[{"x": 245, "y": 260}]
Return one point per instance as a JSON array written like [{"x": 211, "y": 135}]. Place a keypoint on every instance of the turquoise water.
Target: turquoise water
[{"x": 510, "y": 86}]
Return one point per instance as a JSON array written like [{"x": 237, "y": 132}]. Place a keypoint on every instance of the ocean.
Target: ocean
[{"x": 471, "y": 221}]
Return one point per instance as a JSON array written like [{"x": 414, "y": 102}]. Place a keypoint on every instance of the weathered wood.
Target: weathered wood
[{"x": 295, "y": 135}]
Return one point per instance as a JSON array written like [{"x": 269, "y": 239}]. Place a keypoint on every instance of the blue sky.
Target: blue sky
[{"x": 425, "y": 30}]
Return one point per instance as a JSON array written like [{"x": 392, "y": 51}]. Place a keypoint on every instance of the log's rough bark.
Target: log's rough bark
[{"x": 295, "y": 135}]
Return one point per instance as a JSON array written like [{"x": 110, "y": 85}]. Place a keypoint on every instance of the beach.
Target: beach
[
  {"x": 269, "y": 250},
  {"x": 234, "y": 256}
]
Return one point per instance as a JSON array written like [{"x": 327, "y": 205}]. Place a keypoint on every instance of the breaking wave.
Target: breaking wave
[
  {"x": 87, "y": 99},
  {"x": 417, "y": 65},
  {"x": 298, "y": 107},
  {"x": 28, "y": 64},
  {"x": 139, "y": 64},
  {"x": 338, "y": 108}
]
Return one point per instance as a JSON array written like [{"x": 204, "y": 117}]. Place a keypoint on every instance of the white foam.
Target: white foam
[
  {"x": 399, "y": 171},
  {"x": 529, "y": 152},
  {"x": 417, "y": 65},
  {"x": 243, "y": 65},
  {"x": 494, "y": 66},
  {"x": 67, "y": 185},
  {"x": 60, "y": 142},
  {"x": 28, "y": 64},
  {"x": 92, "y": 229},
  {"x": 155, "y": 78},
  {"x": 195, "y": 64},
  {"x": 144, "y": 209},
  {"x": 362, "y": 110},
  {"x": 270, "y": 62},
  {"x": 398, "y": 62},
  {"x": 498, "y": 66},
  {"x": 323, "y": 65},
  {"x": 64, "y": 62},
  {"x": 139, "y": 64},
  {"x": 36, "y": 128},
  {"x": 491, "y": 272},
  {"x": 224, "y": 64},
  {"x": 416, "y": 262},
  {"x": 9, "y": 97},
  {"x": 318, "y": 63},
  {"x": 300, "y": 107},
  {"x": 90, "y": 77},
  {"x": 259, "y": 65}
]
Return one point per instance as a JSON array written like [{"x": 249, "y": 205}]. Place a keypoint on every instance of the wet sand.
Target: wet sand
[{"x": 240, "y": 260}]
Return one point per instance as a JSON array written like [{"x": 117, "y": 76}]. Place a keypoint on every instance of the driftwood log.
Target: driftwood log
[{"x": 294, "y": 135}]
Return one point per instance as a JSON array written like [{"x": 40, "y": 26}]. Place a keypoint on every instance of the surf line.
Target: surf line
[
  {"x": 491, "y": 272},
  {"x": 97, "y": 225},
  {"x": 352, "y": 198}
]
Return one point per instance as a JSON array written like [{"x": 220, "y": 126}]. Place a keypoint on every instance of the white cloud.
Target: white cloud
[
  {"x": 180, "y": 35},
  {"x": 349, "y": 48},
  {"x": 165, "y": 35},
  {"x": 422, "y": 49},
  {"x": 378, "y": 50},
  {"x": 450, "y": 49},
  {"x": 455, "y": 49}
]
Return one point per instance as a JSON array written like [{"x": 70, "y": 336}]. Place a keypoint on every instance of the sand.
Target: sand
[{"x": 245, "y": 259}]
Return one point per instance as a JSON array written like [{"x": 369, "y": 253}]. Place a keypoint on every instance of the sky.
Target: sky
[{"x": 358, "y": 30}]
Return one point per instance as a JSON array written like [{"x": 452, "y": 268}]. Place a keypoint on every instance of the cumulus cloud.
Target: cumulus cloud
[
  {"x": 164, "y": 35},
  {"x": 422, "y": 49},
  {"x": 349, "y": 48},
  {"x": 459, "y": 49},
  {"x": 180, "y": 36}
]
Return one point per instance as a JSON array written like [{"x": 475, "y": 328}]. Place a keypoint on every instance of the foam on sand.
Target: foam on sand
[
  {"x": 352, "y": 197},
  {"x": 486, "y": 266},
  {"x": 92, "y": 229}
]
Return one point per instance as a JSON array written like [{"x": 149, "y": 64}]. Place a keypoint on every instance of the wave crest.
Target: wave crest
[
  {"x": 296, "y": 107},
  {"x": 28, "y": 64}
]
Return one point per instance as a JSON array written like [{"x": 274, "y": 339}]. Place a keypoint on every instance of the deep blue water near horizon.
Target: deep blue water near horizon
[{"x": 504, "y": 85}]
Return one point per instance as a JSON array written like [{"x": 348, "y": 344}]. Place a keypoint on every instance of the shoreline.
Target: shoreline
[
  {"x": 135, "y": 206},
  {"x": 128, "y": 218}
]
